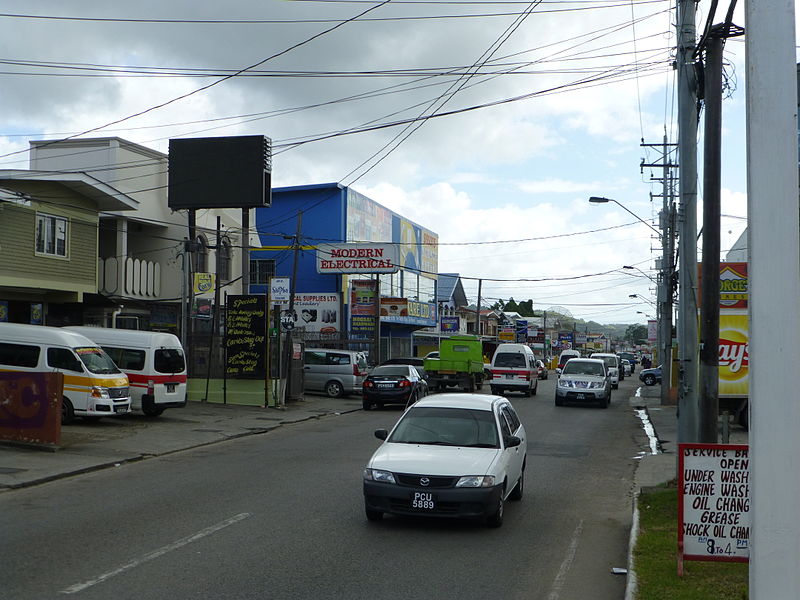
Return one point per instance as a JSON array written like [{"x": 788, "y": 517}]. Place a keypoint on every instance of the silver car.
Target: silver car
[
  {"x": 584, "y": 380},
  {"x": 613, "y": 366},
  {"x": 335, "y": 372}
]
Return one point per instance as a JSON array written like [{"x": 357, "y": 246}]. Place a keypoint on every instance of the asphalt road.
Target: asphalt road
[{"x": 280, "y": 515}]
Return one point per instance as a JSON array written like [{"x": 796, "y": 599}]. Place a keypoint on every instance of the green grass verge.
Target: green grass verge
[{"x": 656, "y": 557}]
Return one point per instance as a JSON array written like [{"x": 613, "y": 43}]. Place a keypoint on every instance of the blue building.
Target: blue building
[{"x": 334, "y": 214}]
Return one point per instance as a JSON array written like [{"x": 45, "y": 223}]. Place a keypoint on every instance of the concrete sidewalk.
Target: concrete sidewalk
[{"x": 88, "y": 446}]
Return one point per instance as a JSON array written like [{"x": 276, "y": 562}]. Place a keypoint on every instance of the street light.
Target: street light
[
  {"x": 601, "y": 200},
  {"x": 640, "y": 271},
  {"x": 650, "y": 302},
  {"x": 639, "y": 312}
]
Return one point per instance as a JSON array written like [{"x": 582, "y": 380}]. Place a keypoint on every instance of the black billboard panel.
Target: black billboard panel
[{"x": 220, "y": 172}]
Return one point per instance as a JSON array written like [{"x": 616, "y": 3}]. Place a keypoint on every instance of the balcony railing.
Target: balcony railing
[{"x": 129, "y": 277}]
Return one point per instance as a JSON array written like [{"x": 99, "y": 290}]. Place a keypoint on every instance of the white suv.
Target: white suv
[
  {"x": 584, "y": 380},
  {"x": 613, "y": 366},
  {"x": 449, "y": 455}
]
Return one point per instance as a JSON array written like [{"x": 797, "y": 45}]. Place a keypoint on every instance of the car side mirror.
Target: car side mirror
[
  {"x": 512, "y": 441},
  {"x": 381, "y": 434}
]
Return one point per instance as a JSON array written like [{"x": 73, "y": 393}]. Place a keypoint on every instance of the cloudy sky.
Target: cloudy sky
[{"x": 533, "y": 108}]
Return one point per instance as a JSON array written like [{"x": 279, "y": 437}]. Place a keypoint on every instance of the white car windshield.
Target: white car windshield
[
  {"x": 580, "y": 367},
  {"x": 447, "y": 427}
]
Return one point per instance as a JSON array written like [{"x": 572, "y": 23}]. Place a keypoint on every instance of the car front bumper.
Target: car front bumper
[
  {"x": 448, "y": 502},
  {"x": 581, "y": 395}
]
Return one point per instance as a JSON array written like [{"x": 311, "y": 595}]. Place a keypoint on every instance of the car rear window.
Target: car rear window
[
  {"x": 169, "y": 360},
  {"x": 509, "y": 359},
  {"x": 390, "y": 370}
]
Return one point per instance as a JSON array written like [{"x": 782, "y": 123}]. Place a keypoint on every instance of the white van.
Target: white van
[
  {"x": 93, "y": 385},
  {"x": 514, "y": 369},
  {"x": 564, "y": 357},
  {"x": 153, "y": 361}
]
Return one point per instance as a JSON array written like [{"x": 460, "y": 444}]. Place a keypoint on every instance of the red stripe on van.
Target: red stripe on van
[
  {"x": 138, "y": 378},
  {"x": 510, "y": 372}
]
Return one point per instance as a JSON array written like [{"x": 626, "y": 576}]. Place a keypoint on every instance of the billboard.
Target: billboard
[
  {"x": 220, "y": 172},
  {"x": 734, "y": 359}
]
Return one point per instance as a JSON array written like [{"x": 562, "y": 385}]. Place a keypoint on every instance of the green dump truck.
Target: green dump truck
[{"x": 460, "y": 364}]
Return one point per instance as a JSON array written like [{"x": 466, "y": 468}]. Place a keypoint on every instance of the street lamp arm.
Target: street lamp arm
[{"x": 602, "y": 200}]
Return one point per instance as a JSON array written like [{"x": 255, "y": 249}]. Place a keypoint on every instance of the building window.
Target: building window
[
  {"x": 261, "y": 270},
  {"x": 224, "y": 250},
  {"x": 200, "y": 255},
  {"x": 51, "y": 235}
]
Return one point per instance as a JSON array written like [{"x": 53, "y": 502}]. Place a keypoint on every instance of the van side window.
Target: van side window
[
  {"x": 338, "y": 359},
  {"x": 19, "y": 355},
  {"x": 315, "y": 358},
  {"x": 125, "y": 358},
  {"x": 61, "y": 358}
]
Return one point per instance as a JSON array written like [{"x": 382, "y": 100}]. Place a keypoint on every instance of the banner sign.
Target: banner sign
[
  {"x": 363, "y": 308},
  {"x": 734, "y": 358},
  {"x": 394, "y": 307},
  {"x": 652, "y": 330},
  {"x": 245, "y": 336},
  {"x": 204, "y": 283},
  {"x": 450, "y": 325},
  {"x": 358, "y": 258},
  {"x": 279, "y": 290},
  {"x": 713, "y": 503},
  {"x": 317, "y": 312}
]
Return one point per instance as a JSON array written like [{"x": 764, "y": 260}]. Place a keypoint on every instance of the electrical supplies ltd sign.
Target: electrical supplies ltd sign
[{"x": 357, "y": 258}]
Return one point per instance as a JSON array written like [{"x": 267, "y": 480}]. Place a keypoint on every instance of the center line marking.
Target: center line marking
[
  {"x": 78, "y": 587},
  {"x": 568, "y": 559}
]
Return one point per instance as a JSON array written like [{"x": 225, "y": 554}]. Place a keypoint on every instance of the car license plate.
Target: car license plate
[
  {"x": 120, "y": 409},
  {"x": 580, "y": 396},
  {"x": 170, "y": 388},
  {"x": 509, "y": 376},
  {"x": 385, "y": 385},
  {"x": 423, "y": 500}
]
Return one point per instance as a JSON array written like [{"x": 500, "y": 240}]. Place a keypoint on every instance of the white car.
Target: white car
[
  {"x": 627, "y": 368},
  {"x": 584, "y": 380},
  {"x": 612, "y": 366},
  {"x": 449, "y": 455}
]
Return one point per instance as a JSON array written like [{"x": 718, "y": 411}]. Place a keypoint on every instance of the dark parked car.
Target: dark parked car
[
  {"x": 650, "y": 376},
  {"x": 411, "y": 360},
  {"x": 393, "y": 384},
  {"x": 542, "y": 369}
]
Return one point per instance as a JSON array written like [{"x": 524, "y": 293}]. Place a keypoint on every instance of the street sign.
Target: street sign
[{"x": 287, "y": 321}]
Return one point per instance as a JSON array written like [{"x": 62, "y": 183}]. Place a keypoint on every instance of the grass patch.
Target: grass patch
[{"x": 656, "y": 557}]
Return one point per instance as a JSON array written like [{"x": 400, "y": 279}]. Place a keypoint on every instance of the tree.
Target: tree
[
  {"x": 636, "y": 334},
  {"x": 510, "y": 306}
]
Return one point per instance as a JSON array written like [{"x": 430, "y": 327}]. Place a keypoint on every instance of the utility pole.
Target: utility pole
[
  {"x": 687, "y": 274},
  {"x": 665, "y": 275},
  {"x": 287, "y": 368},
  {"x": 709, "y": 310},
  {"x": 478, "y": 311},
  {"x": 774, "y": 272}
]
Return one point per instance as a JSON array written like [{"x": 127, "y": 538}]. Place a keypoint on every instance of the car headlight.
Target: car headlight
[
  {"x": 566, "y": 383},
  {"x": 476, "y": 481},
  {"x": 596, "y": 384},
  {"x": 379, "y": 475},
  {"x": 100, "y": 392}
]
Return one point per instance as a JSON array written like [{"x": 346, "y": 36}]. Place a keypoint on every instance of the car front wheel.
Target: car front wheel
[
  {"x": 649, "y": 380},
  {"x": 495, "y": 519}
]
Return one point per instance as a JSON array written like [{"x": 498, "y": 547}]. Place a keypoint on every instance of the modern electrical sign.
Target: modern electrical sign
[{"x": 358, "y": 258}]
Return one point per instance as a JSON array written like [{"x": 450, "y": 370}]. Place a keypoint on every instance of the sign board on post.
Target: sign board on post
[
  {"x": 245, "y": 342},
  {"x": 713, "y": 503},
  {"x": 279, "y": 290},
  {"x": 521, "y": 331}
]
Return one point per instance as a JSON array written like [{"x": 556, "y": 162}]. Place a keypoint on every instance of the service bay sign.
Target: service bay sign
[
  {"x": 358, "y": 258},
  {"x": 714, "y": 502}
]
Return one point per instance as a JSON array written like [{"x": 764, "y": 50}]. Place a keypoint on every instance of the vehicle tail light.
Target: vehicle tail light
[
  {"x": 368, "y": 384},
  {"x": 404, "y": 383},
  {"x": 151, "y": 386},
  {"x": 358, "y": 372}
]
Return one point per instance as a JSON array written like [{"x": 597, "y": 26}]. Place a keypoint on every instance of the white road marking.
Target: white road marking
[
  {"x": 566, "y": 564},
  {"x": 78, "y": 587}
]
